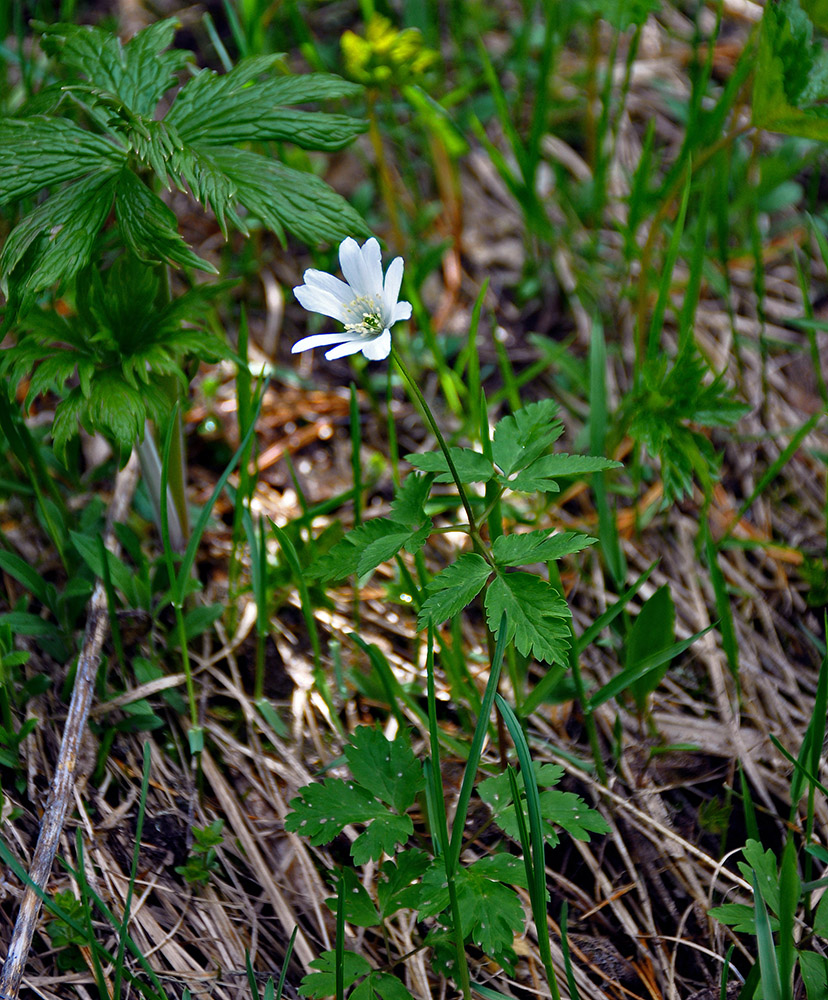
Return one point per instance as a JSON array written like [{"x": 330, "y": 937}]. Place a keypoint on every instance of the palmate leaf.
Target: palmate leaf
[
  {"x": 365, "y": 547},
  {"x": 536, "y": 615},
  {"x": 149, "y": 227},
  {"x": 38, "y": 152},
  {"x": 112, "y": 407},
  {"x": 138, "y": 73},
  {"x": 213, "y": 110},
  {"x": 55, "y": 240},
  {"x": 399, "y": 883},
  {"x": 282, "y": 197}
]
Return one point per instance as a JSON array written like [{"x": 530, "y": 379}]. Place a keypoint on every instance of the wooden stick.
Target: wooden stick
[{"x": 63, "y": 782}]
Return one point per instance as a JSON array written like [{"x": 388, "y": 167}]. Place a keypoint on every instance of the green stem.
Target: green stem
[{"x": 418, "y": 395}]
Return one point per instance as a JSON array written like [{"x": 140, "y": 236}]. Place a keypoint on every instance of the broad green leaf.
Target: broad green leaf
[
  {"x": 282, "y": 197},
  {"x": 543, "y": 473},
  {"x": 322, "y": 983},
  {"x": 380, "y": 986},
  {"x": 472, "y": 467},
  {"x": 54, "y": 242},
  {"x": 138, "y": 73},
  {"x": 536, "y": 615},
  {"x": 149, "y": 228},
  {"x": 525, "y": 435},
  {"x": 652, "y": 632},
  {"x": 537, "y": 546},
  {"x": 365, "y": 547},
  {"x": 214, "y": 110},
  {"x": 36, "y": 153},
  {"x": 791, "y": 78},
  {"x": 453, "y": 588},
  {"x": 821, "y": 916},
  {"x": 388, "y": 768},
  {"x": 399, "y": 881},
  {"x": 359, "y": 909}
]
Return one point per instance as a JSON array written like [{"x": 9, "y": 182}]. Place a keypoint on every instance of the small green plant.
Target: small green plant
[{"x": 203, "y": 860}]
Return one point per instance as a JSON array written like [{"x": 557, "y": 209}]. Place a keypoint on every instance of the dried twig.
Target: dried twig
[{"x": 64, "y": 778}]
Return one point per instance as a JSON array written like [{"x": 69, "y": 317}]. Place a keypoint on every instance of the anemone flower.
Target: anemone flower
[{"x": 366, "y": 304}]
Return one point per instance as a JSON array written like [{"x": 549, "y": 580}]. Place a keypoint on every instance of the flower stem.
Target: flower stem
[{"x": 464, "y": 499}]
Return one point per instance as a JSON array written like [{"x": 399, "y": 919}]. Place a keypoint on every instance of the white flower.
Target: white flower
[{"x": 366, "y": 306}]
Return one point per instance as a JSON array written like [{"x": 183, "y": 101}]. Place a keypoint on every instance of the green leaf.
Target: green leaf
[
  {"x": 359, "y": 909},
  {"x": 501, "y": 868},
  {"x": 543, "y": 473},
  {"x": 791, "y": 78},
  {"x": 199, "y": 619},
  {"x": 322, "y": 983},
  {"x": 472, "y": 467},
  {"x": 385, "y": 548},
  {"x": 763, "y": 863},
  {"x": 399, "y": 881},
  {"x": 408, "y": 506},
  {"x": 537, "y": 546},
  {"x": 524, "y": 436},
  {"x": 23, "y": 623},
  {"x": 149, "y": 227},
  {"x": 138, "y": 74},
  {"x": 365, "y": 547},
  {"x": 21, "y": 571},
  {"x": 821, "y": 916},
  {"x": 381, "y": 837},
  {"x": 653, "y": 632},
  {"x": 490, "y": 913},
  {"x": 536, "y": 615},
  {"x": 120, "y": 574},
  {"x": 453, "y": 588},
  {"x": 381, "y": 985},
  {"x": 740, "y": 916},
  {"x": 282, "y": 197},
  {"x": 36, "y": 153},
  {"x": 388, "y": 768},
  {"x": 323, "y": 809},
  {"x": 814, "y": 969},
  {"x": 563, "y": 810},
  {"x": 54, "y": 242},
  {"x": 237, "y": 107}
]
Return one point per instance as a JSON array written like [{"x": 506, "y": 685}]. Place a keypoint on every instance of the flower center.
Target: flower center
[{"x": 366, "y": 314}]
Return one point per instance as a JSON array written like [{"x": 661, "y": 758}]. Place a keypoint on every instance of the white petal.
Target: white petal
[
  {"x": 362, "y": 267},
  {"x": 317, "y": 340},
  {"x": 351, "y": 347},
  {"x": 321, "y": 300},
  {"x": 402, "y": 310},
  {"x": 391, "y": 290},
  {"x": 379, "y": 347},
  {"x": 327, "y": 282}
]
